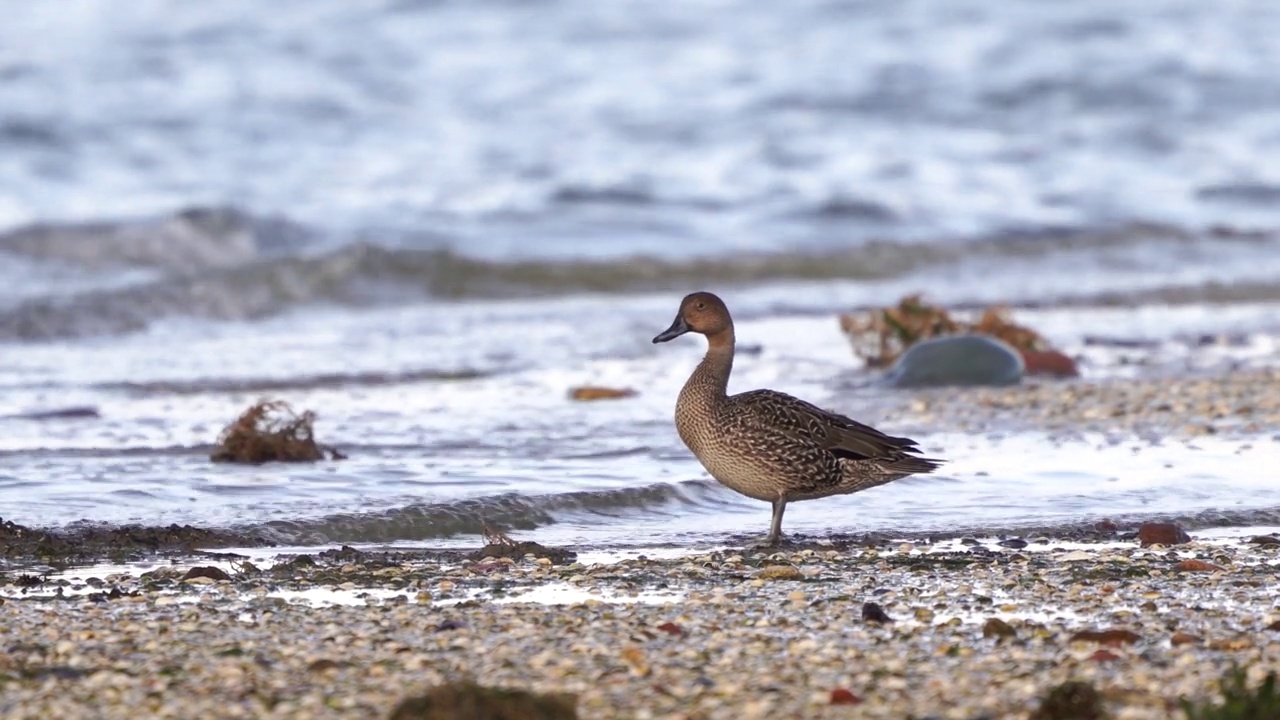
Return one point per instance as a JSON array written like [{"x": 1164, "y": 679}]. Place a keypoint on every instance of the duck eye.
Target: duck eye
[{"x": 701, "y": 306}]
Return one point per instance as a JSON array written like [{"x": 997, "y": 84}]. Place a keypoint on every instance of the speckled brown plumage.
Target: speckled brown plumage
[{"x": 769, "y": 445}]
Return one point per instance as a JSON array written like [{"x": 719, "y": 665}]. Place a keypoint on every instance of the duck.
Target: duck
[{"x": 768, "y": 445}]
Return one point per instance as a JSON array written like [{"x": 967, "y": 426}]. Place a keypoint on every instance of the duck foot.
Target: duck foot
[{"x": 770, "y": 543}]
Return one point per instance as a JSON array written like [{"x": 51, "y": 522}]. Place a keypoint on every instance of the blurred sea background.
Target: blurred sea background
[{"x": 428, "y": 220}]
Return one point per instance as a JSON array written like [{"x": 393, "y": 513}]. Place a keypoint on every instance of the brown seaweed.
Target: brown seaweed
[
  {"x": 458, "y": 700},
  {"x": 880, "y": 336},
  {"x": 271, "y": 431}
]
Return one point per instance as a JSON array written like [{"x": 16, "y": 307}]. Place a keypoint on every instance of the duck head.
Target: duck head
[{"x": 700, "y": 312}]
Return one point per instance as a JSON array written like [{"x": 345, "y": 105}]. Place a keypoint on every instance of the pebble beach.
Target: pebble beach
[{"x": 961, "y": 630}]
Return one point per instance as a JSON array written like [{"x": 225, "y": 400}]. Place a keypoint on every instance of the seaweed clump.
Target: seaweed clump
[
  {"x": 469, "y": 701},
  {"x": 1072, "y": 700},
  {"x": 880, "y": 336},
  {"x": 499, "y": 545},
  {"x": 1239, "y": 701},
  {"x": 270, "y": 431}
]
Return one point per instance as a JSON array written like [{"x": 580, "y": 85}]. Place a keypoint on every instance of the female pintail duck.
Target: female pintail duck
[{"x": 769, "y": 445}]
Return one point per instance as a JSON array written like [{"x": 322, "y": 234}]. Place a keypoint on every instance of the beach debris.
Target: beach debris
[
  {"x": 671, "y": 628},
  {"x": 1162, "y": 534},
  {"x": 1239, "y": 701},
  {"x": 843, "y": 696},
  {"x": 324, "y": 665},
  {"x": 1264, "y": 540},
  {"x": 586, "y": 393},
  {"x": 499, "y": 545},
  {"x": 1193, "y": 565},
  {"x": 270, "y": 431},
  {"x": 635, "y": 659},
  {"x": 1104, "y": 655},
  {"x": 112, "y": 594},
  {"x": 1239, "y": 642},
  {"x": 1107, "y": 637},
  {"x": 477, "y": 702},
  {"x": 1072, "y": 700},
  {"x": 873, "y": 613},
  {"x": 27, "y": 580},
  {"x": 1182, "y": 638},
  {"x": 494, "y": 536},
  {"x": 880, "y": 336},
  {"x": 997, "y": 628},
  {"x": 206, "y": 571}
]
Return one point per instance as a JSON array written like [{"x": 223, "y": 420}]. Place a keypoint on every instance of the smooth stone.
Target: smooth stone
[
  {"x": 1162, "y": 534},
  {"x": 957, "y": 360}
]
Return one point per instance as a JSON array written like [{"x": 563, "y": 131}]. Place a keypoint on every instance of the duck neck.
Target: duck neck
[{"x": 710, "y": 380}]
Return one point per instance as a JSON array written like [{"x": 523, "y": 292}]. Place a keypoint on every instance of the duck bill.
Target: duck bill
[{"x": 678, "y": 328}]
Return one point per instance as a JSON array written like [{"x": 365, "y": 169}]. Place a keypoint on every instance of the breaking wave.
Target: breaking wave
[
  {"x": 508, "y": 511},
  {"x": 226, "y": 265}
]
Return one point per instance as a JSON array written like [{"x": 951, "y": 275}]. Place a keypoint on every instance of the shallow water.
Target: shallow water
[{"x": 431, "y": 457}]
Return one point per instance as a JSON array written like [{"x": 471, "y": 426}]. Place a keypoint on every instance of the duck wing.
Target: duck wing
[{"x": 807, "y": 423}]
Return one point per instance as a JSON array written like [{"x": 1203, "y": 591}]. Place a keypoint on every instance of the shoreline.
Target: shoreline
[
  {"x": 985, "y": 628},
  {"x": 26, "y": 548}
]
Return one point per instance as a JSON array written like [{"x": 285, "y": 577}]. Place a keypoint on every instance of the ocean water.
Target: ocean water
[{"x": 428, "y": 221}]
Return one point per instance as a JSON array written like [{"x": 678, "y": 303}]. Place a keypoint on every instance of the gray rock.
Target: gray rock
[{"x": 957, "y": 360}]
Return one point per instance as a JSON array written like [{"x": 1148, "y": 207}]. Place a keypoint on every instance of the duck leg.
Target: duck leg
[{"x": 775, "y": 528}]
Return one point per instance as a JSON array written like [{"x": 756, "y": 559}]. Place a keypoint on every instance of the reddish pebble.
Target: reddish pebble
[
  {"x": 840, "y": 696},
  {"x": 1106, "y": 525},
  {"x": 1197, "y": 566},
  {"x": 1049, "y": 362},
  {"x": 1104, "y": 656},
  {"x": 1107, "y": 637},
  {"x": 1181, "y": 638},
  {"x": 671, "y": 628},
  {"x": 1162, "y": 534}
]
